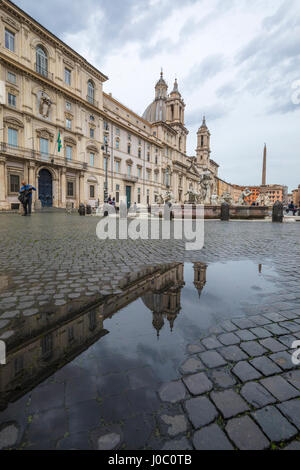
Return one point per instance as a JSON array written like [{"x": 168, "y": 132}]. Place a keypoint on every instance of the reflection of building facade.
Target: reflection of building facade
[{"x": 47, "y": 342}]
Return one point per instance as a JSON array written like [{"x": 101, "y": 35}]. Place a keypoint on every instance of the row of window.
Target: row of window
[
  {"x": 44, "y": 146},
  {"x": 15, "y": 184},
  {"x": 42, "y": 64}
]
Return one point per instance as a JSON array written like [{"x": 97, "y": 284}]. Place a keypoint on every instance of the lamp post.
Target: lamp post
[{"x": 105, "y": 147}]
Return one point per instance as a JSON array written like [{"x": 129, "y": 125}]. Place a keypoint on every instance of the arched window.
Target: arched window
[
  {"x": 41, "y": 61},
  {"x": 91, "y": 92}
]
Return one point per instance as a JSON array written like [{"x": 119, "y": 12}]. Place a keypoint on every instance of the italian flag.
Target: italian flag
[{"x": 59, "y": 142}]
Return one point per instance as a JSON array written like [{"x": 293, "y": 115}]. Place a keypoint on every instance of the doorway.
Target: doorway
[{"x": 45, "y": 188}]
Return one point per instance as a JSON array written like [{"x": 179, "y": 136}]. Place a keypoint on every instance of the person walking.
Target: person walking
[{"x": 25, "y": 197}]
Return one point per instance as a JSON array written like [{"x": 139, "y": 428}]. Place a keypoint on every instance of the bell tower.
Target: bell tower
[
  {"x": 175, "y": 116},
  {"x": 175, "y": 106},
  {"x": 203, "y": 145}
]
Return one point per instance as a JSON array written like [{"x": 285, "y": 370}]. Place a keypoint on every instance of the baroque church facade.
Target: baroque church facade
[{"x": 48, "y": 90}]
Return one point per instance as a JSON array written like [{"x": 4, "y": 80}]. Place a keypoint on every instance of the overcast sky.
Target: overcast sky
[{"x": 236, "y": 62}]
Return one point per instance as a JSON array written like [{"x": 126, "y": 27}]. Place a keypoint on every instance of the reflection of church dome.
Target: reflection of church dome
[
  {"x": 157, "y": 110},
  {"x": 153, "y": 301}
]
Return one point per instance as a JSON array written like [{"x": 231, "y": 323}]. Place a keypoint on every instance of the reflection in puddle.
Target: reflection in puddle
[{"x": 159, "y": 312}]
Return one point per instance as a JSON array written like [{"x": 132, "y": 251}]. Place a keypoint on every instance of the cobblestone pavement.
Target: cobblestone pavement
[{"x": 236, "y": 387}]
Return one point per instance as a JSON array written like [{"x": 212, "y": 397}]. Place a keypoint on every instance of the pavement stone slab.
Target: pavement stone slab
[
  {"x": 200, "y": 411},
  {"x": 245, "y": 372},
  {"x": 211, "y": 343},
  {"x": 198, "y": 384},
  {"x": 253, "y": 348},
  {"x": 179, "y": 444},
  {"x": 243, "y": 323},
  {"x": 229, "y": 403},
  {"x": 174, "y": 425},
  {"x": 192, "y": 365},
  {"x": 257, "y": 395},
  {"x": 264, "y": 365},
  {"x": 283, "y": 359},
  {"x": 245, "y": 335},
  {"x": 229, "y": 338},
  {"x": 291, "y": 409},
  {"x": 280, "y": 388},
  {"x": 222, "y": 378},
  {"x": 211, "y": 438},
  {"x": 274, "y": 424},
  {"x": 272, "y": 345},
  {"x": 233, "y": 353},
  {"x": 172, "y": 392},
  {"x": 260, "y": 332},
  {"x": 212, "y": 359},
  {"x": 293, "y": 377},
  {"x": 195, "y": 348},
  {"x": 245, "y": 434}
]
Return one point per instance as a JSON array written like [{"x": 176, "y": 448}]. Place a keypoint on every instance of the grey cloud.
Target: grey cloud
[
  {"x": 208, "y": 68},
  {"x": 227, "y": 90},
  {"x": 212, "y": 113}
]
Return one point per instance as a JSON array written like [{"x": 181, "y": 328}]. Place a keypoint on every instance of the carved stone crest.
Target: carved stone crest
[{"x": 45, "y": 105}]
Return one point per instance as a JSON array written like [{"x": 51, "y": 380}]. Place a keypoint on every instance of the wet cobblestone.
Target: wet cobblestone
[{"x": 232, "y": 383}]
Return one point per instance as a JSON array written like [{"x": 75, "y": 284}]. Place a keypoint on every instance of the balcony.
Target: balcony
[
  {"x": 30, "y": 154},
  {"x": 92, "y": 101},
  {"x": 44, "y": 72},
  {"x": 129, "y": 178}
]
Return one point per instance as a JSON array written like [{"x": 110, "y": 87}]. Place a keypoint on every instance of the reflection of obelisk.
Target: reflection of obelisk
[{"x": 264, "y": 173}]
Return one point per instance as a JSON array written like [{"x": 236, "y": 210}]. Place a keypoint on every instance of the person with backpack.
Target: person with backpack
[{"x": 25, "y": 197}]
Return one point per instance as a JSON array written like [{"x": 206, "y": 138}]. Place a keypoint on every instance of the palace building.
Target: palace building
[{"x": 48, "y": 90}]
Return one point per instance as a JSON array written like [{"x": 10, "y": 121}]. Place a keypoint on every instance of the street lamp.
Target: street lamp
[{"x": 105, "y": 147}]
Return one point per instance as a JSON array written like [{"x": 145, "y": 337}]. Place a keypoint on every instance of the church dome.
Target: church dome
[{"x": 156, "y": 111}]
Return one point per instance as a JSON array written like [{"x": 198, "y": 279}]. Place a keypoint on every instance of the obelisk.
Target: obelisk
[{"x": 264, "y": 173}]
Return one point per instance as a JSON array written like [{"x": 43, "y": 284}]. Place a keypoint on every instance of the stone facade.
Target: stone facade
[
  {"x": 47, "y": 89},
  {"x": 295, "y": 196}
]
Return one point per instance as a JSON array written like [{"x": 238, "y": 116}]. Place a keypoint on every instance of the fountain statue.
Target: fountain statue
[
  {"x": 193, "y": 197},
  {"x": 165, "y": 197},
  {"x": 215, "y": 201},
  {"x": 242, "y": 200},
  {"x": 263, "y": 200},
  {"x": 205, "y": 187},
  {"x": 226, "y": 198}
]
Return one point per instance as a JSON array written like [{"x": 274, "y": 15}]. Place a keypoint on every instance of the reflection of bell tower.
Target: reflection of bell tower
[
  {"x": 200, "y": 276},
  {"x": 203, "y": 145},
  {"x": 158, "y": 322},
  {"x": 172, "y": 306}
]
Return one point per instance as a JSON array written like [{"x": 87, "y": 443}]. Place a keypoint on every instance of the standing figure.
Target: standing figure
[{"x": 25, "y": 197}]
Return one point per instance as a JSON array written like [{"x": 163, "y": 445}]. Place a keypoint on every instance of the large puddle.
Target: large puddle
[
  {"x": 155, "y": 330},
  {"x": 160, "y": 312}
]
